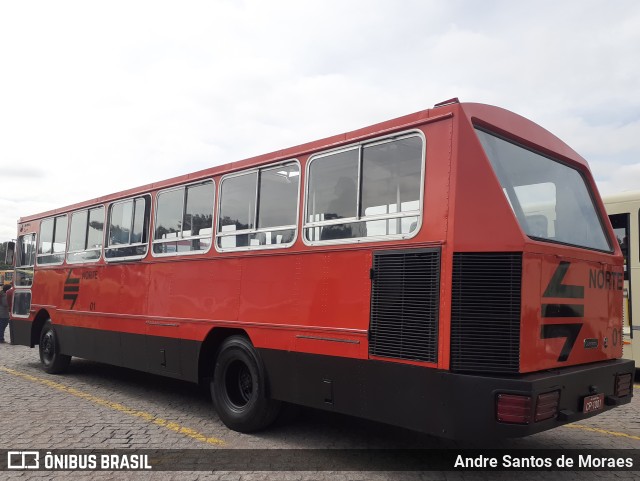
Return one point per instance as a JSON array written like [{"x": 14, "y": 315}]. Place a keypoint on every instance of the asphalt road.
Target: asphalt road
[{"x": 95, "y": 406}]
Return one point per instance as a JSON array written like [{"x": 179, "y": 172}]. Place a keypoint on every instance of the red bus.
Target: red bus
[{"x": 451, "y": 271}]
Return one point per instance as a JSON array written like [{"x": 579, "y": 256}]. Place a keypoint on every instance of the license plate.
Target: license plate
[{"x": 593, "y": 403}]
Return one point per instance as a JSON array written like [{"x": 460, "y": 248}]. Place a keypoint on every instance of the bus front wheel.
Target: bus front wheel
[
  {"x": 238, "y": 387},
  {"x": 52, "y": 360}
]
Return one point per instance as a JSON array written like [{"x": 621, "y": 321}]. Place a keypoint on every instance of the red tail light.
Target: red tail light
[
  {"x": 623, "y": 385},
  {"x": 547, "y": 405},
  {"x": 514, "y": 409}
]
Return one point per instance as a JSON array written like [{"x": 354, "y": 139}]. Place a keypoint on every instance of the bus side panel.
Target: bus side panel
[
  {"x": 104, "y": 318},
  {"x": 48, "y": 288},
  {"x": 91, "y": 282},
  {"x": 483, "y": 219},
  {"x": 196, "y": 289},
  {"x": 101, "y": 313},
  {"x": 111, "y": 298},
  {"x": 437, "y": 182},
  {"x": 320, "y": 297},
  {"x": 20, "y": 331},
  {"x": 627, "y": 230}
]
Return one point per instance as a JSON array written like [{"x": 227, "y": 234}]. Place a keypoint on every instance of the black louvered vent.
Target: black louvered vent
[
  {"x": 485, "y": 312},
  {"x": 405, "y": 298}
]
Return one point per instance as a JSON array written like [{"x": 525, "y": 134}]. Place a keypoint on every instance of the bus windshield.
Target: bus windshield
[{"x": 550, "y": 200}]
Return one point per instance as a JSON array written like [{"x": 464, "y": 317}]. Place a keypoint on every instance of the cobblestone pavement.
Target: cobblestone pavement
[{"x": 103, "y": 407}]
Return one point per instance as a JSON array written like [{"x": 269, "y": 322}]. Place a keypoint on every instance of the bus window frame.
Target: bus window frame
[
  {"x": 627, "y": 231},
  {"x": 100, "y": 249},
  {"x": 35, "y": 251},
  {"x": 419, "y": 213},
  {"x": 26, "y": 289},
  {"x": 137, "y": 244},
  {"x": 66, "y": 241},
  {"x": 18, "y": 292},
  {"x": 184, "y": 187},
  {"x": 295, "y": 227}
]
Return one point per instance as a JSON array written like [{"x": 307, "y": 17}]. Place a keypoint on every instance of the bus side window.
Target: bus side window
[
  {"x": 184, "y": 219},
  {"x": 277, "y": 205},
  {"x": 25, "y": 259},
  {"x": 237, "y": 209},
  {"x": 85, "y": 235},
  {"x": 333, "y": 194},
  {"x": 53, "y": 240},
  {"x": 128, "y": 229},
  {"x": 259, "y": 209},
  {"x": 391, "y": 184},
  {"x": 370, "y": 190}
]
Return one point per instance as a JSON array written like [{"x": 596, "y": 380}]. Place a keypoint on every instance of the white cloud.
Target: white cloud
[{"x": 97, "y": 98}]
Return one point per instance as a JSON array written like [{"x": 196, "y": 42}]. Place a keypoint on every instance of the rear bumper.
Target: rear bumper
[
  {"x": 440, "y": 403},
  {"x": 473, "y": 409}
]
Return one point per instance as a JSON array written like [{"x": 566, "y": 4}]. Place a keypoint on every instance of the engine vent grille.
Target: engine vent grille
[
  {"x": 485, "y": 312},
  {"x": 405, "y": 299}
]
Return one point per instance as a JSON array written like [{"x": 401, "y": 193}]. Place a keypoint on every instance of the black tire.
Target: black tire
[
  {"x": 238, "y": 387},
  {"x": 52, "y": 360}
]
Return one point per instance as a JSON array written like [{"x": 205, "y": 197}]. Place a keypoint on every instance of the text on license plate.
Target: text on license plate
[{"x": 593, "y": 403}]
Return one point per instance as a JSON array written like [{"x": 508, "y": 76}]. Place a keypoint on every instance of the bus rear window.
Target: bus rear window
[{"x": 550, "y": 200}]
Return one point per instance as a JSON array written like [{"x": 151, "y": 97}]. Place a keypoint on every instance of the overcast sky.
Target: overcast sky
[{"x": 98, "y": 97}]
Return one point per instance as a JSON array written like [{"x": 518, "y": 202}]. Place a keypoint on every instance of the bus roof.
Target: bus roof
[{"x": 619, "y": 197}]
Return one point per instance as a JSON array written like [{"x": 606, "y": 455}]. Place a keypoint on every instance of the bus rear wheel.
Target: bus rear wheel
[
  {"x": 52, "y": 360},
  {"x": 238, "y": 387}
]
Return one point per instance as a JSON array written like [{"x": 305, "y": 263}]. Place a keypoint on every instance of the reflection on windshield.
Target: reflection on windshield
[{"x": 550, "y": 199}]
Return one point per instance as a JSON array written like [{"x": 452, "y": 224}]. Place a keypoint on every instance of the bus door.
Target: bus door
[{"x": 621, "y": 223}]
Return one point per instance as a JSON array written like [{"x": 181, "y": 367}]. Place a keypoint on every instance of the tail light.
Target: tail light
[
  {"x": 547, "y": 405},
  {"x": 517, "y": 409},
  {"x": 513, "y": 408},
  {"x": 623, "y": 385}
]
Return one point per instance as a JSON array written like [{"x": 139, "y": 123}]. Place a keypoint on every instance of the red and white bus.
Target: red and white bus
[{"x": 452, "y": 271}]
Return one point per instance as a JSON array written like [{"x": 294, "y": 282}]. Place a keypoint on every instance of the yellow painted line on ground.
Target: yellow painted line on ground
[
  {"x": 602, "y": 431},
  {"x": 175, "y": 427}
]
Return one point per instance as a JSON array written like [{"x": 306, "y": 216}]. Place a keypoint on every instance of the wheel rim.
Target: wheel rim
[
  {"x": 239, "y": 384},
  {"x": 47, "y": 347}
]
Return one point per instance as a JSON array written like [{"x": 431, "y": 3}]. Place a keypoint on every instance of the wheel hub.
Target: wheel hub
[{"x": 239, "y": 382}]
